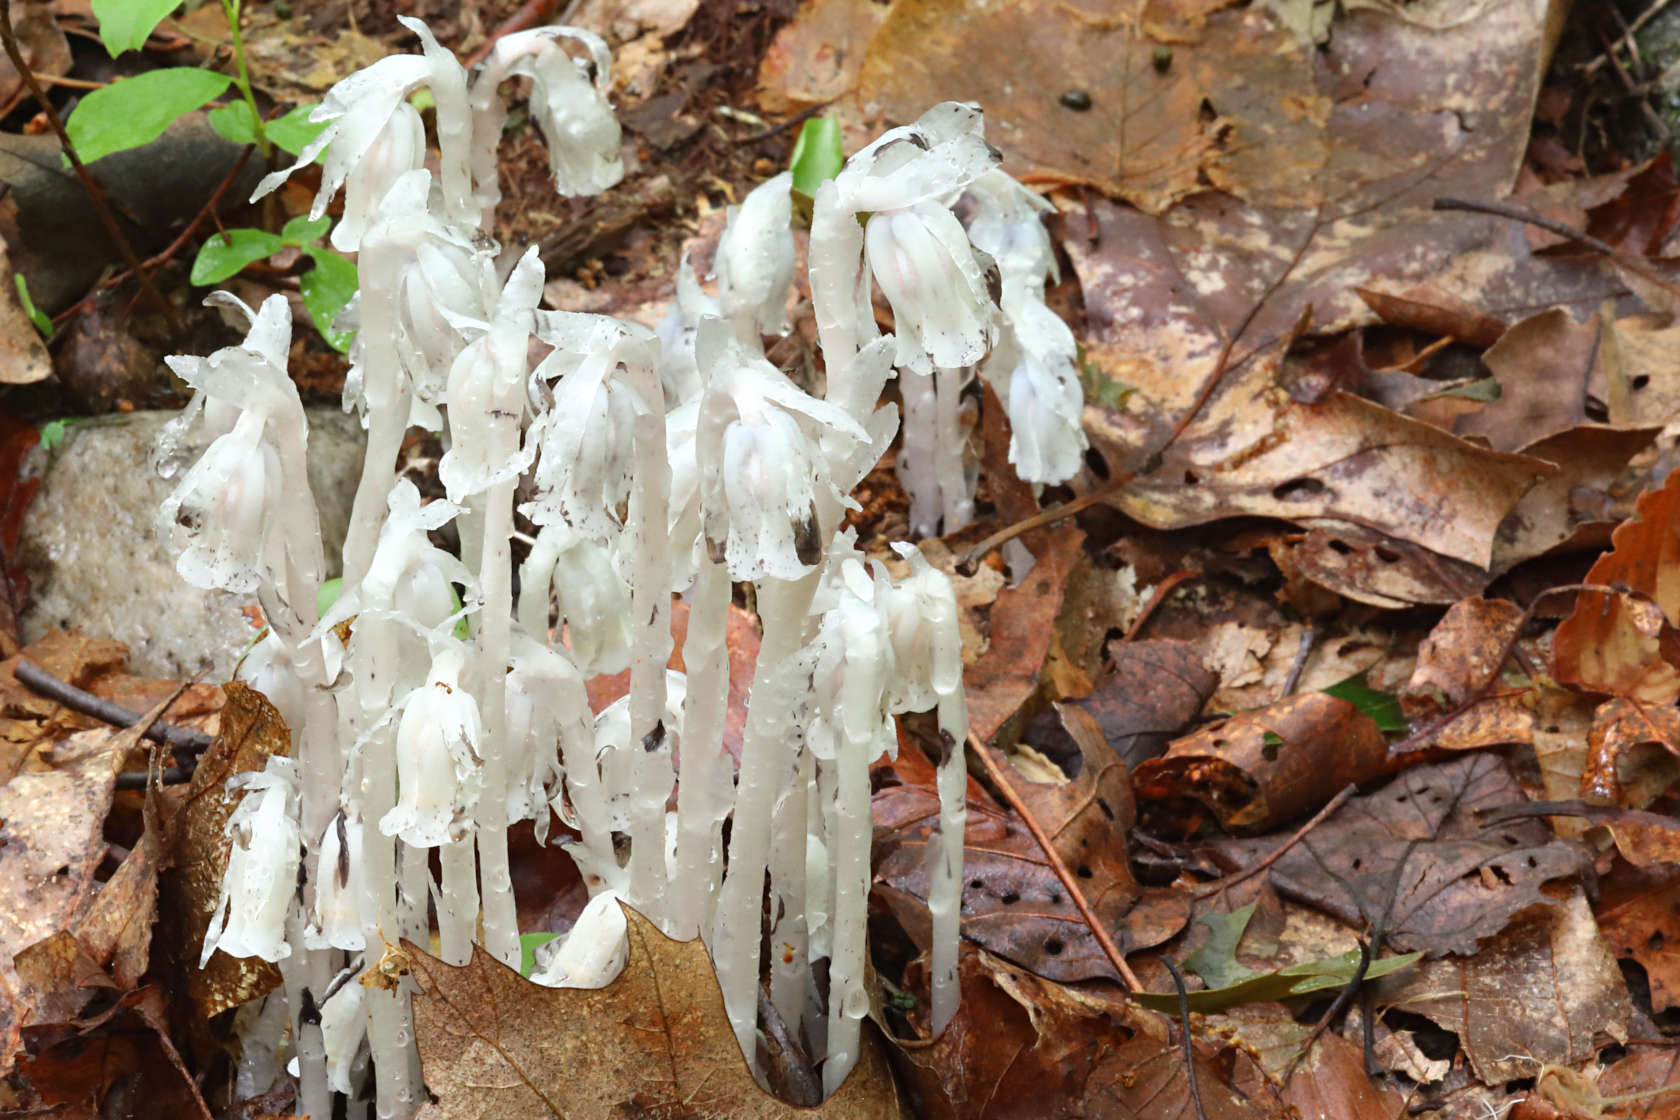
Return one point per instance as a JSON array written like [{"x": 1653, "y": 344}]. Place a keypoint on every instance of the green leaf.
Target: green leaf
[
  {"x": 326, "y": 288},
  {"x": 529, "y": 943},
  {"x": 53, "y": 432},
  {"x": 219, "y": 258},
  {"x": 327, "y": 594},
  {"x": 294, "y": 131},
  {"x": 1230, "y": 982},
  {"x": 302, "y": 231},
  {"x": 1382, "y": 707},
  {"x": 817, "y": 155},
  {"x": 135, "y": 111},
  {"x": 36, "y": 315},
  {"x": 234, "y": 122},
  {"x": 1486, "y": 390},
  {"x": 125, "y": 25}
]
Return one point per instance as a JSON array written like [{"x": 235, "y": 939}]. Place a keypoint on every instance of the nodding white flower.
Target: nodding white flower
[
  {"x": 921, "y": 617},
  {"x": 568, "y": 102},
  {"x": 855, "y": 664},
  {"x": 344, "y": 1020},
  {"x": 935, "y": 158},
  {"x": 268, "y": 668},
  {"x": 1033, "y": 368},
  {"x": 249, "y": 377},
  {"x": 221, "y": 511},
  {"x": 592, "y": 953},
  {"x": 755, "y": 259},
  {"x": 487, "y": 390},
  {"x": 593, "y": 597},
  {"x": 762, "y": 446},
  {"x": 336, "y": 918},
  {"x": 620, "y": 759},
  {"x": 261, "y": 876},
  {"x": 372, "y": 136},
  {"x": 438, "y": 772},
  {"x": 586, "y": 436},
  {"x": 942, "y": 309},
  {"x": 423, "y": 287},
  {"x": 546, "y": 700},
  {"x": 408, "y": 575}
]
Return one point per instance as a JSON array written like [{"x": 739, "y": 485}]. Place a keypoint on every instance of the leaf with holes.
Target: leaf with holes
[{"x": 1414, "y": 857}]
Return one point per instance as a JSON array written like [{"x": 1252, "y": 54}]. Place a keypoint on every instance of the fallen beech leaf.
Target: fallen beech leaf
[
  {"x": 815, "y": 58},
  {"x": 1415, "y": 852},
  {"x": 1542, "y": 990},
  {"x": 1617, "y": 643},
  {"x": 1641, "y": 369},
  {"x": 1618, "y": 727},
  {"x": 654, "y": 1042},
  {"x": 1466, "y": 649},
  {"x": 1260, "y": 768},
  {"x": 1367, "y": 566},
  {"x": 1231, "y": 983},
  {"x": 1543, "y": 365}
]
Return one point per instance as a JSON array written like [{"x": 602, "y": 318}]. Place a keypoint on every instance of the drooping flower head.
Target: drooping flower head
[
  {"x": 261, "y": 876},
  {"x": 438, "y": 772},
  {"x": 755, "y": 259}
]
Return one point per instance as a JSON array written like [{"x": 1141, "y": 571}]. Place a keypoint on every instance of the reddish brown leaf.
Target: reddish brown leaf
[
  {"x": 1639, "y": 916},
  {"x": 1257, "y": 769},
  {"x": 1022, "y": 625},
  {"x": 1620, "y": 726},
  {"x": 1543, "y": 365},
  {"x": 1615, "y": 643},
  {"x": 1152, "y": 690},
  {"x": 1466, "y": 649},
  {"x": 1427, "y": 308},
  {"x": 656, "y": 1041}
]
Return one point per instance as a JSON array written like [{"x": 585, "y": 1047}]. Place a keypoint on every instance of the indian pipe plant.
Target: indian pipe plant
[{"x": 659, "y": 463}]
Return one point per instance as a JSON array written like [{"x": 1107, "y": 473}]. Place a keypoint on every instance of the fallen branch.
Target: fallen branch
[{"x": 182, "y": 740}]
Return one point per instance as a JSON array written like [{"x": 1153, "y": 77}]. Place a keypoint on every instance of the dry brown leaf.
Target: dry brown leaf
[
  {"x": 1543, "y": 365},
  {"x": 1641, "y": 369},
  {"x": 654, "y": 1042},
  {"x": 1258, "y": 769},
  {"x": 1144, "y": 1080},
  {"x": 196, "y": 847},
  {"x": 1620, "y": 727},
  {"x": 816, "y": 57},
  {"x": 1426, "y": 308},
  {"x": 1619, "y": 643},
  {"x": 1416, "y": 854},
  {"x": 1543, "y": 990},
  {"x": 1639, "y": 915},
  {"x": 1565, "y": 511},
  {"x": 1645, "y": 1085},
  {"x": 1150, "y": 692},
  {"x": 1466, "y": 649}
]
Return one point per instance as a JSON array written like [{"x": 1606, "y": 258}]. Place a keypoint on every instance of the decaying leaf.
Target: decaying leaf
[
  {"x": 1625, "y": 644},
  {"x": 1149, "y": 693},
  {"x": 1414, "y": 856},
  {"x": 1257, "y": 769},
  {"x": 654, "y": 1042},
  {"x": 1639, "y": 917},
  {"x": 1542, "y": 990}
]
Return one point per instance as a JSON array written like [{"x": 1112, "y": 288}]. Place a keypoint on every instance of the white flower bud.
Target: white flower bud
[
  {"x": 344, "y": 1021},
  {"x": 261, "y": 877},
  {"x": 755, "y": 258},
  {"x": 592, "y": 953},
  {"x": 220, "y": 511},
  {"x": 438, "y": 774},
  {"x": 928, "y": 270},
  {"x": 336, "y": 918}
]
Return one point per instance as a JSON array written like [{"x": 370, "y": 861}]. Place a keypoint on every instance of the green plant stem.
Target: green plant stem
[
  {"x": 8, "y": 38},
  {"x": 242, "y": 78}
]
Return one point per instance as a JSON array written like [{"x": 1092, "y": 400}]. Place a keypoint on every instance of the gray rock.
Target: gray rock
[{"x": 95, "y": 562}]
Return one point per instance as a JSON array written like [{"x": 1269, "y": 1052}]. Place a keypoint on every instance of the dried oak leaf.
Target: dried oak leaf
[
  {"x": 1625, "y": 643},
  {"x": 1415, "y": 854},
  {"x": 654, "y": 1042},
  {"x": 1543, "y": 989},
  {"x": 1257, "y": 769},
  {"x": 1569, "y": 510}
]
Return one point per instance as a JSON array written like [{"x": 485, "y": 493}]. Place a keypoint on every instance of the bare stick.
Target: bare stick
[
  {"x": 1184, "y": 1037},
  {"x": 1110, "y": 950},
  {"x": 182, "y": 740},
  {"x": 1167, "y": 587},
  {"x": 8, "y": 39}
]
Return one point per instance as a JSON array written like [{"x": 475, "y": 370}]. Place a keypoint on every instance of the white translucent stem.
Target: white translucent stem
[
  {"x": 849, "y": 848},
  {"x": 945, "y": 858},
  {"x": 918, "y": 469},
  {"x": 458, "y": 901},
  {"x": 314, "y": 1097},
  {"x": 414, "y": 892},
  {"x": 389, "y": 1031},
  {"x": 379, "y": 464},
  {"x": 777, "y": 691},
  {"x": 650, "y": 604},
  {"x": 790, "y": 966},
  {"x": 950, "y": 442},
  {"x": 819, "y": 897},
  {"x": 700, "y": 811},
  {"x": 495, "y": 575}
]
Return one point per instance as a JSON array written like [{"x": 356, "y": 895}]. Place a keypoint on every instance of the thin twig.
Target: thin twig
[
  {"x": 8, "y": 39},
  {"x": 182, "y": 740},
  {"x": 169, "y": 776},
  {"x": 1626, "y": 37},
  {"x": 1318, "y": 818},
  {"x": 1184, "y": 1037},
  {"x": 1110, "y": 950},
  {"x": 1302, "y": 652},
  {"x": 1636, "y": 265}
]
